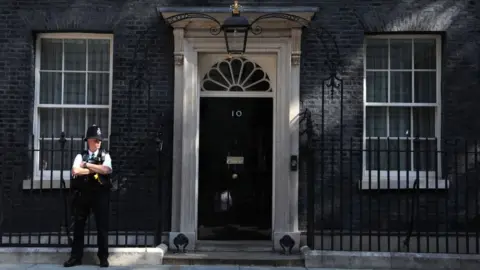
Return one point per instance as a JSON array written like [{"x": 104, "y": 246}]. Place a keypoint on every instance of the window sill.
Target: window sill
[
  {"x": 383, "y": 183},
  {"x": 45, "y": 184}
]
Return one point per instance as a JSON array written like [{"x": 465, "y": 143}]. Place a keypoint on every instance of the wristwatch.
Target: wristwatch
[{"x": 85, "y": 165}]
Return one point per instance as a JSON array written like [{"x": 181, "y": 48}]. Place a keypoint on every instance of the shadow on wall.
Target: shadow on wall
[
  {"x": 340, "y": 204},
  {"x": 408, "y": 15}
]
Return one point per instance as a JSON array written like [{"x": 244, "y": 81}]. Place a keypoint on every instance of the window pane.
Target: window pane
[
  {"x": 425, "y": 54},
  {"x": 376, "y": 156},
  {"x": 401, "y": 54},
  {"x": 75, "y": 123},
  {"x": 75, "y": 146},
  {"x": 50, "y": 155},
  {"x": 401, "y": 87},
  {"x": 98, "y": 85},
  {"x": 51, "y": 54},
  {"x": 99, "y": 55},
  {"x": 377, "y": 86},
  {"x": 399, "y": 154},
  {"x": 376, "y": 122},
  {"x": 75, "y": 54},
  {"x": 50, "y": 88},
  {"x": 424, "y": 122},
  {"x": 74, "y": 88},
  {"x": 50, "y": 122},
  {"x": 388, "y": 154},
  {"x": 399, "y": 124},
  {"x": 377, "y": 54},
  {"x": 425, "y": 86},
  {"x": 425, "y": 155},
  {"x": 99, "y": 117}
]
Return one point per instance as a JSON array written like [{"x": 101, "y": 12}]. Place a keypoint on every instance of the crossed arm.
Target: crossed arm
[{"x": 82, "y": 168}]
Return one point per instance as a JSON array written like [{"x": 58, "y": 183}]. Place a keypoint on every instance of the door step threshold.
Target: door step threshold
[
  {"x": 238, "y": 246},
  {"x": 233, "y": 258}
]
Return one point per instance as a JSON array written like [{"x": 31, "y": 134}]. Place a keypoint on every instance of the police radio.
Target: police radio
[{"x": 97, "y": 160}]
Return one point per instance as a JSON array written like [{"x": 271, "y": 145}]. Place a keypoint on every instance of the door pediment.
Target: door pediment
[{"x": 270, "y": 27}]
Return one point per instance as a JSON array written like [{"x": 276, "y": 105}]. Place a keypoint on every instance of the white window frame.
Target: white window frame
[
  {"x": 54, "y": 181},
  {"x": 374, "y": 179}
]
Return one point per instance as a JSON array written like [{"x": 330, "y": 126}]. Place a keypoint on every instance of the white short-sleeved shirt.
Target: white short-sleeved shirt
[{"x": 78, "y": 159}]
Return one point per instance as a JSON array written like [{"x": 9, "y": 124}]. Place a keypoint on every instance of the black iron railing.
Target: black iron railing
[
  {"x": 363, "y": 197},
  {"x": 35, "y": 198}
]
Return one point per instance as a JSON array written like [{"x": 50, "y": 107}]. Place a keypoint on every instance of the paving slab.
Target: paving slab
[
  {"x": 157, "y": 267},
  {"x": 265, "y": 268},
  {"x": 150, "y": 267},
  {"x": 58, "y": 267},
  {"x": 15, "y": 266}
]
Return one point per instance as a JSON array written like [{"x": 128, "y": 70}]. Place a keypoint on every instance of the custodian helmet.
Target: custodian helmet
[{"x": 94, "y": 132}]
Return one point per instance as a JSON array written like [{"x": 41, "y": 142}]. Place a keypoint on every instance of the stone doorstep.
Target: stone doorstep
[
  {"x": 309, "y": 258},
  {"x": 118, "y": 256},
  {"x": 241, "y": 258},
  {"x": 151, "y": 256},
  {"x": 388, "y": 260}
]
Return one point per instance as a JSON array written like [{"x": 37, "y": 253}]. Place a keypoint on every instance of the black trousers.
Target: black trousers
[{"x": 96, "y": 201}]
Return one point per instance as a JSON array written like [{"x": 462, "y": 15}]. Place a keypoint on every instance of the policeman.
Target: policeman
[{"x": 91, "y": 184}]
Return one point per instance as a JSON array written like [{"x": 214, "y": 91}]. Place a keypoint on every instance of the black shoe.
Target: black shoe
[
  {"x": 104, "y": 263},
  {"x": 72, "y": 262}
]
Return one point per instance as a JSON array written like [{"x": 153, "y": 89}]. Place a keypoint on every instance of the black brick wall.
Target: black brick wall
[
  {"x": 339, "y": 203},
  {"x": 136, "y": 22},
  {"x": 141, "y": 104}
]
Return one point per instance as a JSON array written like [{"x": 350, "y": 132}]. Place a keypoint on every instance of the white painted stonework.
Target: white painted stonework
[{"x": 281, "y": 40}]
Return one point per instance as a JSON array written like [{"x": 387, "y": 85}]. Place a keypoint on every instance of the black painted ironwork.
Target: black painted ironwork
[
  {"x": 25, "y": 228},
  {"x": 234, "y": 28},
  {"x": 425, "y": 218},
  {"x": 214, "y": 30},
  {"x": 2, "y": 203},
  {"x": 326, "y": 38},
  {"x": 413, "y": 212},
  {"x": 161, "y": 189},
  {"x": 63, "y": 185},
  {"x": 181, "y": 240},
  {"x": 307, "y": 152},
  {"x": 139, "y": 197},
  {"x": 287, "y": 243},
  {"x": 449, "y": 219}
]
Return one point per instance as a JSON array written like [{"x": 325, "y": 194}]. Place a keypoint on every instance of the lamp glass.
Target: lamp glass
[{"x": 236, "y": 39}]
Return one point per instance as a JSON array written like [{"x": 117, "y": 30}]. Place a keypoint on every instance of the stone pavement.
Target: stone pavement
[{"x": 159, "y": 267}]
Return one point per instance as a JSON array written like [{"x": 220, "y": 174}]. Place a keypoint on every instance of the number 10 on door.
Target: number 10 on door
[{"x": 237, "y": 113}]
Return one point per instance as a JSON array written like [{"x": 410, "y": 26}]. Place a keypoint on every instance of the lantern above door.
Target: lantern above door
[{"x": 236, "y": 30}]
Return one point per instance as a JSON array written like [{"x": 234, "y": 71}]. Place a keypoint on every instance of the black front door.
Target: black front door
[{"x": 235, "y": 168}]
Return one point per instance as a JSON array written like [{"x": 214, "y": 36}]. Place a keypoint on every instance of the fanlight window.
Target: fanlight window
[{"x": 236, "y": 74}]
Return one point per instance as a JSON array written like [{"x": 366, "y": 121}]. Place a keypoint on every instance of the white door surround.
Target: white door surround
[{"x": 192, "y": 39}]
